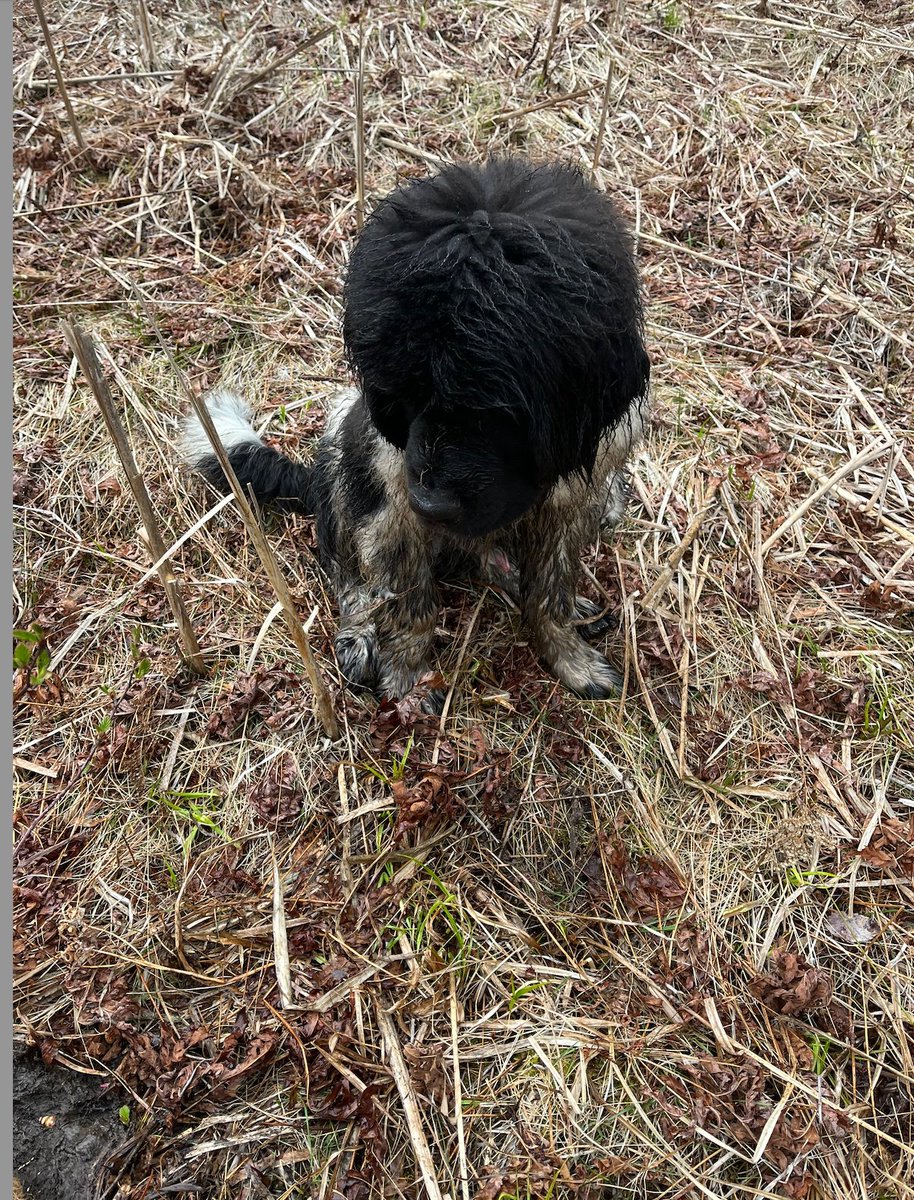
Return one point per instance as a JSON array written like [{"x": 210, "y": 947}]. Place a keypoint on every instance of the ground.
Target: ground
[{"x": 659, "y": 947}]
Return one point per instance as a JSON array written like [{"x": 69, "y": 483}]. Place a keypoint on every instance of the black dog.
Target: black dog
[{"x": 493, "y": 321}]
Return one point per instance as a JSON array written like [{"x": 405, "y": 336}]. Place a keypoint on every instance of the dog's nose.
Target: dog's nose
[{"x": 438, "y": 508}]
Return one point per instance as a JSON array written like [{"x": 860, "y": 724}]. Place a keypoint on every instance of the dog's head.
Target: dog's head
[{"x": 493, "y": 318}]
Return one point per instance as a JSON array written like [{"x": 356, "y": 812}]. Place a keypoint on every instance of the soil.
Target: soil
[{"x": 52, "y": 1161}]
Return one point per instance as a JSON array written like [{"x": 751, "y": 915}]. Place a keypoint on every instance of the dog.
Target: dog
[{"x": 493, "y": 323}]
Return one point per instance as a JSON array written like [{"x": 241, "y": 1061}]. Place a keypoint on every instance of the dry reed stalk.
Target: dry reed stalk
[
  {"x": 663, "y": 579},
  {"x": 458, "y": 1095},
  {"x": 551, "y": 102},
  {"x": 257, "y": 77},
  {"x": 280, "y": 936},
  {"x": 400, "y": 1072},
  {"x": 553, "y": 33},
  {"x": 149, "y": 51},
  {"x": 322, "y": 702},
  {"x": 84, "y": 350},
  {"x": 866, "y": 455},
  {"x": 61, "y": 86},
  {"x": 360, "y": 131},
  {"x": 615, "y": 22}
]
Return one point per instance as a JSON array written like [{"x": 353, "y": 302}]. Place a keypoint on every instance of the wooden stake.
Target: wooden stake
[
  {"x": 322, "y": 703},
  {"x": 61, "y": 86},
  {"x": 84, "y": 350}
]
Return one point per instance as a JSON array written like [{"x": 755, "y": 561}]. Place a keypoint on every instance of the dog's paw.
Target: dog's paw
[
  {"x": 398, "y": 681},
  {"x": 591, "y": 619},
  {"x": 358, "y": 657},
  {"x": 585, "y": 671},
  {"x": 603, "y": 681}
]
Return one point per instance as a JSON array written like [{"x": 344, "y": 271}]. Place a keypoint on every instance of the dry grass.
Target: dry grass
[{"x": 655, "y": 949}]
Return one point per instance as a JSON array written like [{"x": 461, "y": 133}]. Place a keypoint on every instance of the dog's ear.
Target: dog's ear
[
  {"x": 591, "y": 397},
  {"x": 629, "y": 380},
  {"x": 389, "y": 417}
]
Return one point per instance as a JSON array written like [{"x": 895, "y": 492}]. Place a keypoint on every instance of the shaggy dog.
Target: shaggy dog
[{"x": 493, "y": 322}]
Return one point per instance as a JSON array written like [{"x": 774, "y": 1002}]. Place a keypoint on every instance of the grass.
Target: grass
[{"x": 655, "y": 948}]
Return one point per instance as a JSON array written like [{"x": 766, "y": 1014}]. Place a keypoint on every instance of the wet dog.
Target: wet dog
[{"x": 493, "y": 324}]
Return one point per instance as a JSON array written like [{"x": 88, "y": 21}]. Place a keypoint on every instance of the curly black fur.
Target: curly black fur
[{"x": 493, "y": 321}]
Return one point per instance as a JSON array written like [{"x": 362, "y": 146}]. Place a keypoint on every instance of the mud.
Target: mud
[{"x": 53, "y": 1160}]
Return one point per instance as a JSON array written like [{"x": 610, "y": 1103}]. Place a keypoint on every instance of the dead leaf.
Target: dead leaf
[{"x": 855, "y": 930}]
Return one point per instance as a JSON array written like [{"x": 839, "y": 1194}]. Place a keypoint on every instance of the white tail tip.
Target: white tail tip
[{"x": 231, "y": 415}]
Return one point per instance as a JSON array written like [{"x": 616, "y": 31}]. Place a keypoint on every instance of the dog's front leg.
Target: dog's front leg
[
  {"x": 549, "y": 569},
  {"x": 388, "y": 615}
]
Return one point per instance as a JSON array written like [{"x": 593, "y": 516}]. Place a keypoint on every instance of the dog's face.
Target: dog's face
[
  {"x": 493, "y": 320},
  {"x": 470, "y": 473}
]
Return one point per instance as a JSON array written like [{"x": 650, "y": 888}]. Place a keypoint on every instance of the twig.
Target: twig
[
  {"x": 553, "y": 31},
  {"x": 84, "y": 350},
  {"x": 663, "y": 579},
  {"x": 404, "y": 1084},
  {"x": 322, "y": 702},
  {"x": 265, "y": 72},
  {"x": 801, "y": 510},
  {"x": 61, "y": 86},
  {"x": 432, "y": 160},
  {"x": 601, "y": 128},
  {"x": 25, "y": 764},
  {"x": 360, "y": 133},
  {"x": 330, "y": 999},
  {"x": 615, "y": 20},
  {"x": 43, "y": 85},
  {"x": 540, "y": 104}
]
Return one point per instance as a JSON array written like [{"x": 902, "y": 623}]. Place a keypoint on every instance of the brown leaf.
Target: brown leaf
[
  {"x": 792, "y": 985},
  {"x": 227, "y": 1080},
  {"x": 647, "y": 884},
  {"x": 395, "y": 720},
  {"x": 884, "y": 597},
  {"x": 278, "y": 797},
  {"x": 891, "y": 849},
  {"x": 267, "y": 692},
  {"x": 429, "y": 797}
]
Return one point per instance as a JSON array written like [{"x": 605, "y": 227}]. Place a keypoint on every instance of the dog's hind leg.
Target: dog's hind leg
[{"x": 615, "y": 499}]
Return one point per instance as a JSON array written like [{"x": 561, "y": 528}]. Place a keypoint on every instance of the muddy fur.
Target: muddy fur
[{"x": 493, "y": 322}]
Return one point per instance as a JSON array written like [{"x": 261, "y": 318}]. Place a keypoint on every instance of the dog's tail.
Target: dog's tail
[{"x": 271, "y": 476}]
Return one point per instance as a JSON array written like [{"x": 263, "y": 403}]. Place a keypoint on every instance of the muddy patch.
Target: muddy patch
[{"x": 64, "y": 1124}]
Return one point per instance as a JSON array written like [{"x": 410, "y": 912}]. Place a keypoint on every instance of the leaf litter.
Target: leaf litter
[{"x": 636, "y": 972}]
